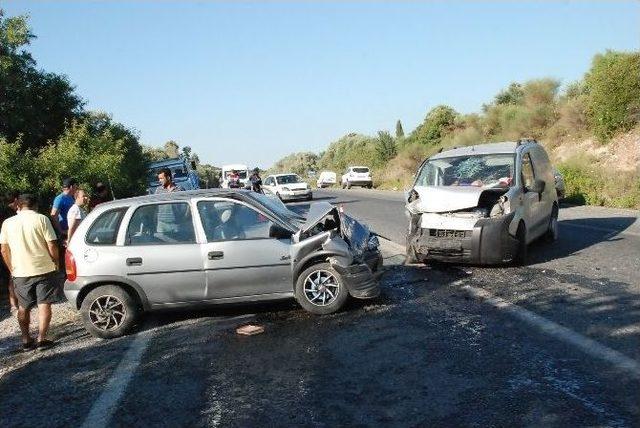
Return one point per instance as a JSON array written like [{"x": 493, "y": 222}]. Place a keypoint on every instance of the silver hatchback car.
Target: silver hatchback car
[{"x": 186, "y": 249}]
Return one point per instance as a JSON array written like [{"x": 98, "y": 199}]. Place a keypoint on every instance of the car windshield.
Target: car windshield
[
  {"x": 361, "y": 170},
  {"x": 474, "y": 170},
  {"x": 274, "y": 204},
  {"x": 288, "y": 179}
]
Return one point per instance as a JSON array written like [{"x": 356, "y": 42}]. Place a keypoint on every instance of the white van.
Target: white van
[
  {"x": 326, "y": 179},
  {"x": 357, "y": 176},
  {"x": 242, "y": 170}
]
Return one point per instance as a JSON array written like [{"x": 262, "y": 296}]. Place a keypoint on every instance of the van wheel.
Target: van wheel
[
  {"x": 109, "y": 311},
  {"x": 552, "y": 231},
  {"x": 521, "y": 236},
  {"x": 321, "y": 290}
]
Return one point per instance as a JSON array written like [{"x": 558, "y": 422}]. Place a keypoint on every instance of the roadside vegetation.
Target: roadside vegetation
[
  {"x": 590, "y": 128},
  {"x": 46, "y": 134}
]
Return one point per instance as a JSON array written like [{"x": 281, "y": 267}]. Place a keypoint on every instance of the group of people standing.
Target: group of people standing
[{"x": 32, "y": 247}]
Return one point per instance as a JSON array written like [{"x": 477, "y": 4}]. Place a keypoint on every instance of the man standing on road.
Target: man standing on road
[
  {"x": 166, "y": 182},
  {"x": 61, "y": 205},
  {"x": 256, "y": 181},
  {"x": 29, "y": 248},
  {"x": 76, "y": 213}
]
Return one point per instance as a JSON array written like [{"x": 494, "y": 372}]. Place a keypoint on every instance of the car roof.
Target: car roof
[
  {"x": 505, "y": 147},
  {"x": 175, "y": 196},
  {"x": 358, "y": 166},
  {"x": 166, "y": 162},
  {"x": 284, "y": 173}
]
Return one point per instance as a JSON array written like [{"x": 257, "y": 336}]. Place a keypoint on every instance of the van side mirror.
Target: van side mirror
[
  {"x": 278, "y": 232},
  {"x": 537, "y": 186}
]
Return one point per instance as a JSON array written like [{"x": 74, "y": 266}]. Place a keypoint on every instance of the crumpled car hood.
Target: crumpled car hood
[
  {"x": 435, "y": 199},
  {"x": 317, "y": 212}
]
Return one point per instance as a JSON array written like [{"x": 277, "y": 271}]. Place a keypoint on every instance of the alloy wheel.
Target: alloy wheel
[
  {"x": 107, "y": 312},
  {"x": 321, "y": 288}
]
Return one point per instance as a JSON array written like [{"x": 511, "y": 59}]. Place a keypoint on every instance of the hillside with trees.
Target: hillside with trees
[
  {"x": 590, "y": 129},
  {"x": 46, "y": 134}
]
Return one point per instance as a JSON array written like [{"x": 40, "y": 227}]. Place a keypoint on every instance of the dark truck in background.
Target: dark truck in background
[{"x": 183, "y": 172}]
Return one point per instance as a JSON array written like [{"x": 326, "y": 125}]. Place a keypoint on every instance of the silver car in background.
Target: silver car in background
[{"x": 188, "y": 249}]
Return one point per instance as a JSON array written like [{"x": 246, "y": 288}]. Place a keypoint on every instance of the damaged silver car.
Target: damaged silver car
[
  {"x": 482, "y": 204},
  {"x": 185, "y": 249}
]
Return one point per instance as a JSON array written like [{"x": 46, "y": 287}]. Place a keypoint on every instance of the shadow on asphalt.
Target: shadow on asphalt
[{"x": 575, "y": 235}]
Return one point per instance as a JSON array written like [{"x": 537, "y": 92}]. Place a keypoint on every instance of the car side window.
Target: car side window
[
  {"x": 232, "y": 221},
  {"x": 161, "y": 224},
  {"x": 104, "y": 229},
  {"x": 528, "y": 176}
]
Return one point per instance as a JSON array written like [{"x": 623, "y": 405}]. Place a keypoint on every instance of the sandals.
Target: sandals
[
  {"x": 27, "y": 346},
  {"x": 45, "y": 344}
]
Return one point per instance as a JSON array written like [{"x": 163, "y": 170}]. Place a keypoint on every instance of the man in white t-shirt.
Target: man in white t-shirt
[{"x": 76, "y": 213}]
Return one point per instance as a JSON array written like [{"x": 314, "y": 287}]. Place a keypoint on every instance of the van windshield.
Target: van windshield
[{"x": 474, "y": 170}]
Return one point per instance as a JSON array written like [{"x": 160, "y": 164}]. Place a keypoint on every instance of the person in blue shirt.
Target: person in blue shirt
[{"x": 61, "y": 205}]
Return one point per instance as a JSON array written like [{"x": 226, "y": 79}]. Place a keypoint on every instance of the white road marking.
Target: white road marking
[
  {"x": 106, "y": 404},
  {"x": 586, "y": 345},
  {"x": 564, "y": 334},
  {"x": 103, "y": 408}
]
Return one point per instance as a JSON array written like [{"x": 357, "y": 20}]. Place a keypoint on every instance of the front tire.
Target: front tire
[
  {"x": 552, "y": 231},
  {"x": 321, "y": 290},
  {"x": 109, "y": 311},
  {"x": 522, "y": 254}
]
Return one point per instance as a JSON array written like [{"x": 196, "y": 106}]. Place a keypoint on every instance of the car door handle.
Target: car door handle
[
  {"x": 134, "y": 261},
  {"x": 287, "y": 257},
  {"x": 215, "y": 255}
]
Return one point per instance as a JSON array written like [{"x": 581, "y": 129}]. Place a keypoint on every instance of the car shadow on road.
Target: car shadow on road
[{"x": 578, "y": 234}]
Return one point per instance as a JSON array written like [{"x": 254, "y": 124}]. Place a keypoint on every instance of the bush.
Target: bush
[
  {"x": 438, "y": 122},
  {"x": 613, "y": 85}
]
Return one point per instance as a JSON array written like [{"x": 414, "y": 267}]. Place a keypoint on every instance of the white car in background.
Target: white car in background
[
  {"x": 287, "y": 187},
  {"x": 357, "y": 176},
  {"x": 326, "y": 179}
]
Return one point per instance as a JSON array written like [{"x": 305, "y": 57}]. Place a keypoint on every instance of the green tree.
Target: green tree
[
  {"x": 33, "y": 103},
  {"x": 399, "y": 130},
  {"x": 385, "y": 147},
  {"x": 513, "y": 94},
  {"x": 613, "y": 86},
  {"x": 17, "y": 169},
  {"x": 438, "y": 122},
  {"x": 186, "y": 152}
]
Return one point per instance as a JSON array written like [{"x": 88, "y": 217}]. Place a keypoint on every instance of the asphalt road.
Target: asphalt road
[{"x": 555, "y": 343}]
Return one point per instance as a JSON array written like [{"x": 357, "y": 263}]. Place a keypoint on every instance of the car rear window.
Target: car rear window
[
  {"x": 361, "y": 170},
  {"x": 104, "y": 229}
]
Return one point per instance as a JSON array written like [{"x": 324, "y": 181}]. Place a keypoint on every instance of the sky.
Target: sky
[{"x": 250, "y": 82}]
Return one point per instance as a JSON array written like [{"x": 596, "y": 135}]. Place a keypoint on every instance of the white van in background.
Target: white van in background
[
  {"x": 242, "y": 170},
  {"x": 326, "y": 179},
  {"x": 357, "y": 176}
]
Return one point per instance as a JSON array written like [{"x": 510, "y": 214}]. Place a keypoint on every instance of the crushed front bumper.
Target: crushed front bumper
[
  {"x": 360, "y": 279},
  {"x": 489, "y": 242}
]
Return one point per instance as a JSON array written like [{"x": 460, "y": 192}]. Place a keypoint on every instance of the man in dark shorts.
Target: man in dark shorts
[{"x": 30, "y": 251}]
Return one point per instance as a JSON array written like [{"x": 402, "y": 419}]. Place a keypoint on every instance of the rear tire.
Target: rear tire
[
  {"x": 348, "y": 185},
  {"x": 522, "y": 254},
  {"x": 321, "y": 290},
  {"x": 109, "y": 311},
  {"x": 552, "y": 231}
]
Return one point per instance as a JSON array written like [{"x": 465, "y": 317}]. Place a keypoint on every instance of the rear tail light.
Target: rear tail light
[{"x": 70, "y": 266}]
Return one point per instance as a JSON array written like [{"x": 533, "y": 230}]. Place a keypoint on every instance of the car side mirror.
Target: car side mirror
[
  {"x": 279, "y": 232},
  {"x": 537, "y": 187}
]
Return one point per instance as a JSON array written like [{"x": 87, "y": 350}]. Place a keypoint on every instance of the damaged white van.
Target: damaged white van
[{"x": 482, "y": 204}]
